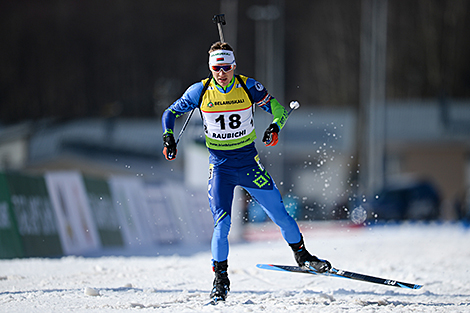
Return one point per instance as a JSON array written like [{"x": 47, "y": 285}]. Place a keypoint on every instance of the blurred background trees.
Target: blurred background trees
[{"x": 67, "y": 59}]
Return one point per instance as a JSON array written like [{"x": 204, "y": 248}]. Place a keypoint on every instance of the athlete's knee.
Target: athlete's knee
[
  {"x": 222, "y": 228},
  {"x": 284, "y": 220}
]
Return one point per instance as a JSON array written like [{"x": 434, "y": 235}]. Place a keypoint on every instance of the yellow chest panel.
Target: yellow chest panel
[
  {"x": 228, "y": 117},
  {"x": 216, "y": 101}
]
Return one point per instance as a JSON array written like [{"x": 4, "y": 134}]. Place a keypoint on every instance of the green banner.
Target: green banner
[
  {"x": 34, "y": 215},
  {"x": 10, "y": 240},
  {"x": 103, "y": 211}
]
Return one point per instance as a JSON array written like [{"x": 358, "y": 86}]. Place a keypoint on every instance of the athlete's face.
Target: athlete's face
[{"x": 221, "y": 77}]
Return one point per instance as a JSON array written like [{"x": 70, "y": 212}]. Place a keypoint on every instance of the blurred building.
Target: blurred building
[{"x": 315, "y": 160}]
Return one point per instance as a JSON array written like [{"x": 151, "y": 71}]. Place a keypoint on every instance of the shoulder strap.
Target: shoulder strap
[
  {"x": 206, "y": 85},
  {"x": 203, "y": 91},
  {"x": 247, "y": 92},
  {"x": 245, "y": 88}
]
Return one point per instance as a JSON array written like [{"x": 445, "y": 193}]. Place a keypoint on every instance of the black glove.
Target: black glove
[
  {"x": 271, "y": 137},
  {"x": 169, "y": 147}
]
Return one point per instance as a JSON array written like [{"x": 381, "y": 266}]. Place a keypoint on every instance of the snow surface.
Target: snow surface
[{"x": 435, "y": 255}]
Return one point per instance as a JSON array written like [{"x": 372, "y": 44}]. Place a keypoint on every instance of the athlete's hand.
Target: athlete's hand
[
  {"x": 169, "y": 147},
  {"x": 271, "y": 137}
]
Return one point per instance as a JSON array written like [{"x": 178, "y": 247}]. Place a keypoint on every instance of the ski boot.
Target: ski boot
[
  {"x": 306, "y": 260},
  {"x": 221, "y": 285}
]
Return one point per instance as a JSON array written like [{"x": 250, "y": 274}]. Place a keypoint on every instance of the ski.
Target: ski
[{"x": 340, "y": 273}]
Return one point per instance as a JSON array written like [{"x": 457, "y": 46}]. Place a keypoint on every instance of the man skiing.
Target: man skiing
[{"x": 226, "y": 102}]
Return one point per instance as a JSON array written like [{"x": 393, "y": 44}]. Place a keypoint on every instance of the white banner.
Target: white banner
[
  {"x": 191, "y": 207},
  {"x": 129, "y": 200},
  {"x": 161, "y": 212},
  {"x": 77, "y": 230}
]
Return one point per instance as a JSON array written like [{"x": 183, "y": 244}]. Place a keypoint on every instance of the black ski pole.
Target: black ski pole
[{"x": 184, "y": 126}]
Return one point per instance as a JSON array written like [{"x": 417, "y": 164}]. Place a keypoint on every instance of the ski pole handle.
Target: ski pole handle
[{"x": 294, "y": 105}]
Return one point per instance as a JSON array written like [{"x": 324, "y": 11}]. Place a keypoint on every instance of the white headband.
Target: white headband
[{"x": 221, "y": 57}]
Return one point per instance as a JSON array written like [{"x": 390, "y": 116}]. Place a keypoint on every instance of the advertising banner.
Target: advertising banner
[
  {"x": 103, "y": 212},
  {"x": 167, "y": 228},
  {"x": 191, "y": 207},
  {"x": 34, "y": 216},
  {"x": 129, "y": 200},
  {"x": 77, "y": 229},
  {"x": 199, "y": 210},
  {"x": 10, "y": 240}
]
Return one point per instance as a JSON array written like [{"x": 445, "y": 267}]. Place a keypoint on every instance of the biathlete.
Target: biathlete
[{"x": 226, "y": 102}]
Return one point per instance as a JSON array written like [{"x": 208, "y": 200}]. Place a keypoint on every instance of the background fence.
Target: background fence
[{"x": 67, "y": 213}]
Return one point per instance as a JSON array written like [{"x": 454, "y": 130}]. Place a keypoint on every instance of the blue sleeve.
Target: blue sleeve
[
  {"x": 260, "y": 95},
  {"x": 188, "y": 101},
  {"x": 268, "y": 103}
]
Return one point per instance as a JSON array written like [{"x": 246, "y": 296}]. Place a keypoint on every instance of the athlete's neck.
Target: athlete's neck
[{"x": 228, "y": 86}]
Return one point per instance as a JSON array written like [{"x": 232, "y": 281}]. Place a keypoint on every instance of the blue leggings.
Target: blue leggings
[{"x": 259, "y": 184}]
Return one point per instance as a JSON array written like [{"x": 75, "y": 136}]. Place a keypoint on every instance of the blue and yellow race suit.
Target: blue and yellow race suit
[{"x": 229, "y": 132}]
